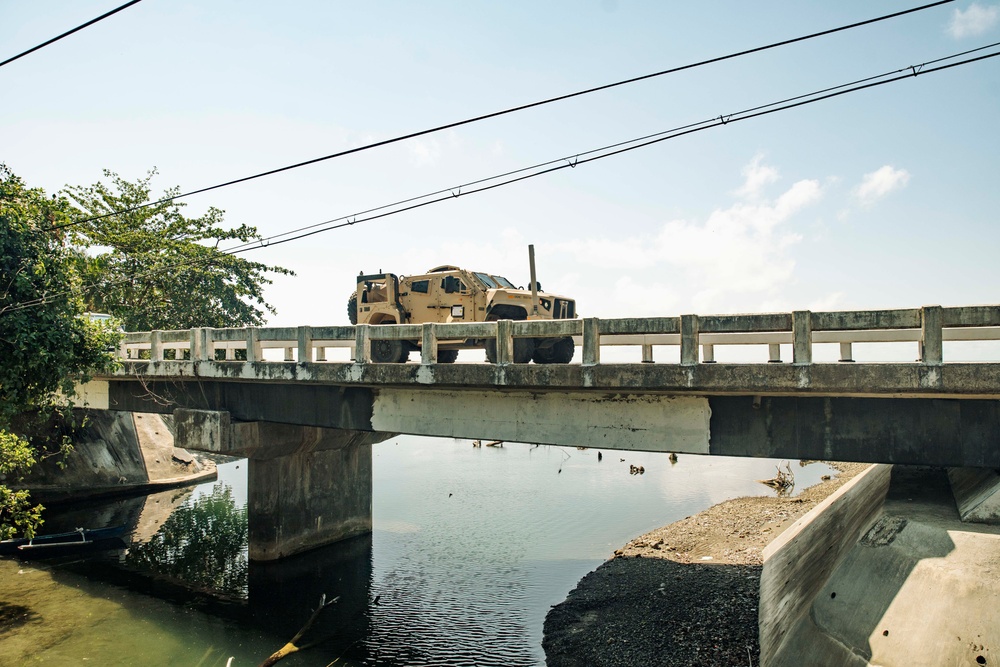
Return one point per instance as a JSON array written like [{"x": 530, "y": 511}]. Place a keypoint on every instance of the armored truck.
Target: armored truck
[{"x": 450, "y": 294}]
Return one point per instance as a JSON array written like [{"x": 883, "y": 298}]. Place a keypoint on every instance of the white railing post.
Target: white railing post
[
  {"x": 320, "y": 353},
  {"x": 305, "y": 344},
  {"x": 847, "y": 352},
  {"x": 155, "y": 346},
  {"x": 801, "y": 337},
  {"x": 289, "y": 354},
  {"x": 708, "y": 353},
  {"x": 591, "y": 341},
  {"x": 774, "y": 353},
  {"x": 428, "y": 344},
  {"x": 254, "y": 351},
  {"x": 931, "y": 347},
  {"x": 647, "y": 354},
  {"x": 362, "y": 344},
  {"x": 505, "y": 342},
  {"x": 689, "y": 340},
  {"x": 202, "y": 348}
]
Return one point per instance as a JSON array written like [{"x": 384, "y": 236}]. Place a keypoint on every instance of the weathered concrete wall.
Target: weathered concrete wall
[
  {"x": 916, "y": 589},
  {"x": 977, "y": 493},
  {"x": 115, "y": 452},
  {"x": 916, "y": 431},
  {"x": 878, "y": 430},
  {"x": 614, "y": 421},
  {"x": 798, "y": 564}
]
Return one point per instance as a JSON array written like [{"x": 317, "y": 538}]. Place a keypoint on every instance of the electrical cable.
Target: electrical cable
[
  {"x": 70, "y": 32},
  {"x": 622, "y": 147},
  {"x": 570, "y": 162},
  {"x": 510, "y": 110}
]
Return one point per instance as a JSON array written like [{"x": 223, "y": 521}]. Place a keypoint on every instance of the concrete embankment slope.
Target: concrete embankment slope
[
  {"x": 884, "y": 572},
  {"x": 117, "y": 452}
]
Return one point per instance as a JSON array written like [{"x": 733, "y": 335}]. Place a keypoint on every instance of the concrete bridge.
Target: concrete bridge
[{"x": 307, "y": 423}]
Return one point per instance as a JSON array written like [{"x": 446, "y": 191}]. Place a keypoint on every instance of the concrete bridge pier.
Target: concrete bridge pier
[{"x": 307, "y": 486}]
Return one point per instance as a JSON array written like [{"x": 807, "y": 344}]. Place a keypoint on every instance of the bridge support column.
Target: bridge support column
[
  {"x": 317, "y": 493},
  {"x": 306, "y": 486}
]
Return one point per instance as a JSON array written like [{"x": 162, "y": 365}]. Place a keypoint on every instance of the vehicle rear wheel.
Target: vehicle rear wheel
[
  {"x": 447, "y": 356},
  {"x": 524, "y": 348}
]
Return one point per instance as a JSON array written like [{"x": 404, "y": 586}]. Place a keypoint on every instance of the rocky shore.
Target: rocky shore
[{"x": 684, "y": 594}]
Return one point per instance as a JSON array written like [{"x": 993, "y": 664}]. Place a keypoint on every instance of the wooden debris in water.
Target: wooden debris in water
[{"x": 783, "y": 480}]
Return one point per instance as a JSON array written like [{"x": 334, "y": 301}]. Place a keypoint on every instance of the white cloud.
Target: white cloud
[
  {"x": 743, "y": 249},
  {"x": 424, "y": 152},
  {"x": 757, "y": 176},
  {"x": 975, "y": 20},
  {"x": 879, "y": 183}
]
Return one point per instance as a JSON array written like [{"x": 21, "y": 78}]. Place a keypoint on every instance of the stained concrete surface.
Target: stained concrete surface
[{"x": 919, "y": 588}]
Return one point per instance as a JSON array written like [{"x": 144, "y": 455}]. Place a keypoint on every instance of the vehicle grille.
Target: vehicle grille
[{"x": 563, "y": 309}]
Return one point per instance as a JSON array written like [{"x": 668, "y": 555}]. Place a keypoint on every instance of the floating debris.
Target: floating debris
[
  {"x": 636, "y": 470},
  {"x": 783, "y": 481}
]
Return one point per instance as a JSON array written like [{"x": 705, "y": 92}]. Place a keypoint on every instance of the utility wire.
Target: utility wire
[
  {"x": 495, "y": 114},
  {"x": 605, "y": 151},
  {"x": 564, "y": 163},
  {"x": 70, "y": 32}
]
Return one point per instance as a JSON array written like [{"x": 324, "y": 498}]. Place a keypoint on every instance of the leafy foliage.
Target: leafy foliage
[
  {"x": 157, "y": 269},
  {"x": 45, "y": 341}
]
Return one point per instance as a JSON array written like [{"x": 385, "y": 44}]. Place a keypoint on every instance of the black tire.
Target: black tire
[
  {"x": 542, "y": 355},
  {"x": 352, "y": 308},
  {"x": 447, "y": 356},
  {"x": 562, "y": 351},
  {"x": 524, "y": 348},
  {"x": 389, "y": 351},
  {"x": 559, "y": 352}
]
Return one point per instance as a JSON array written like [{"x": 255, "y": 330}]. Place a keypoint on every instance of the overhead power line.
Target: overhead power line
[
  {"x": 70, "y": 32},
  {"x": 564, "y": 163},
  {"x": 592, "y": 155},
  {"x": 475, "y": 119}
]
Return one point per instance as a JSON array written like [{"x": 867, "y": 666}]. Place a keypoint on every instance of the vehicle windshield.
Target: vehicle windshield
[
  {"x": 503, "y": 281},
  {"x": 486, "y": 280}
]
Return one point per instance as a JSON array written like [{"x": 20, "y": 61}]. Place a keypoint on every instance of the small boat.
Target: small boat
[{"x": 60, "y": 544}]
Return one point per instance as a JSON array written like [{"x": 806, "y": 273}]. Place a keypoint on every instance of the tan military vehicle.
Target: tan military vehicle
[{"x": 451, "y": 294}]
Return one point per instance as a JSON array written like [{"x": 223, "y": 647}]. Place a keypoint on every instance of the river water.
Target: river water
[{"x": 470, "y": 548}]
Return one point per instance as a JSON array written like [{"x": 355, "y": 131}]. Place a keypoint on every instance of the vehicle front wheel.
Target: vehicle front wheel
[{"x": 389, "y": 351}]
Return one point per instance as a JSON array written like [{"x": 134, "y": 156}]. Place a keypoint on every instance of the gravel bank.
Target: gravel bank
[{"x": 684, "y": 594}]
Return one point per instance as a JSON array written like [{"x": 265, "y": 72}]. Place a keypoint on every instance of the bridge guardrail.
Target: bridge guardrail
[{"x": 929, "y": 327}]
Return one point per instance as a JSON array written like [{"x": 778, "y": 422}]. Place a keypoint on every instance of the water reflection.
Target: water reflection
[
  {"x": 203, "y": 543},
  {"x": 471, "y": 546}
]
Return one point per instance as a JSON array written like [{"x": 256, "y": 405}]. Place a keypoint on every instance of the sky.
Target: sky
[{"x": 884, "y": 198}]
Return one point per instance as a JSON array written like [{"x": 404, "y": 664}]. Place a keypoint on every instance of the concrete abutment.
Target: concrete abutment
[{"x": 307, "y": 486}]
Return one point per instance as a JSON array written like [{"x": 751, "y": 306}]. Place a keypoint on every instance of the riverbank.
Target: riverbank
[{"x": 683, "y": 594}]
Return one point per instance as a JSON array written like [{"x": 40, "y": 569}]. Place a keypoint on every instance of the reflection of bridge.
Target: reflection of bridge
[{"x": 307, "y": 424}]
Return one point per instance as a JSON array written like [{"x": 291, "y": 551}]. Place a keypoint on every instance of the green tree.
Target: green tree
[
  {"x": 45, "y": 341},
  {"x": 154, "y": 268}
]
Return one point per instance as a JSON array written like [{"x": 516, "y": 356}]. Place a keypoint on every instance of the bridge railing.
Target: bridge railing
[{"x": 696, "y": 335}]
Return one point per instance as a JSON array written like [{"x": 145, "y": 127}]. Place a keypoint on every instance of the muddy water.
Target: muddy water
[{"x": 470, "y": 548}]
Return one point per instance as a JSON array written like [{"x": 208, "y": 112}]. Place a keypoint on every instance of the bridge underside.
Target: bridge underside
[{"x": 919, "y": 431}]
